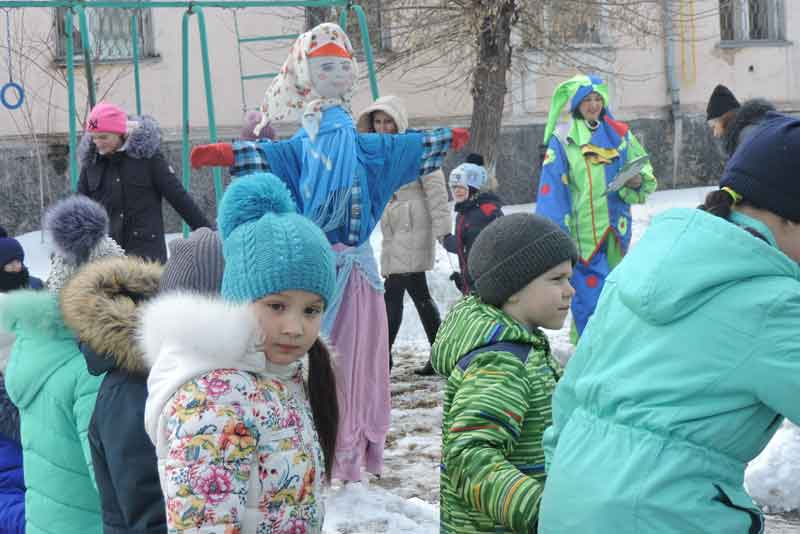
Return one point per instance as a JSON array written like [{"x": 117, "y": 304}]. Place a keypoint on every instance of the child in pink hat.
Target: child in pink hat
[{"x": 108, "y": 118}]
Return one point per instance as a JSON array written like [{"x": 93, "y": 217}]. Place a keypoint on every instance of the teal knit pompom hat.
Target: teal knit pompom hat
[{"x": 269, "y": 247}]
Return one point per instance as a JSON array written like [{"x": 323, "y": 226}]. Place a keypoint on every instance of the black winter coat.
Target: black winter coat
[
  {"x": 100, "y": 304},
  {"x": 124, "y": 458},
  {"x": 130, "y": 184},
  {"x": 472, "y": 216}
]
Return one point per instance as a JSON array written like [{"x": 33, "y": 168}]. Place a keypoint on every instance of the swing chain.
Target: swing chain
[{"x": 8, "y": 44}]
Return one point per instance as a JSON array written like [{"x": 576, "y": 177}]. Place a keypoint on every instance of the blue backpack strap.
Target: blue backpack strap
[{"x": 520, "y": 350}]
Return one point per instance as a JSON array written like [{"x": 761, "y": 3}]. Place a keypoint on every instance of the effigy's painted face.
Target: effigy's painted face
[{"x": 331, "y": 76}]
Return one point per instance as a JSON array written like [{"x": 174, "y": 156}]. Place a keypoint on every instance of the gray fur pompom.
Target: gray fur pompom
[{"x": 76, "y": 225}]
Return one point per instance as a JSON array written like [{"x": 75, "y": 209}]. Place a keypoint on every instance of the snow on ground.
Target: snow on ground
[{"x": 405, "y": 498}]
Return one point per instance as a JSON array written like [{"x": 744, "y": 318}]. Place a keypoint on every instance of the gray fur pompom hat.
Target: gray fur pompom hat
[
  {"x": 512, "y": 251},
  {"x": 78, "y": 229}
]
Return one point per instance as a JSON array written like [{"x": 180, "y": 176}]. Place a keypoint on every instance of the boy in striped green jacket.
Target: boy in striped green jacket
[{"x": 501, "y": 375}]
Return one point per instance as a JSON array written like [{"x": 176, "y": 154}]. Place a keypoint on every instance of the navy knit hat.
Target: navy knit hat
[
  {"x": 475, "y": 159},
  {"x": 10, "y": 250},
  {"x": 268, "y": 246},
  {"x": 721, "y": 102},
  {"x": 764, "y": 171}
]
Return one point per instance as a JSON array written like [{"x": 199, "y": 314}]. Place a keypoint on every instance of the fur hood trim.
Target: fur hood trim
[
  {"x": 141, "y": 143},
  {"x": 184, "y": 336},
  {"x": 202, "y": 327},
  {"x": 101, "y": 303},
  {"x": 750, "y": 114}
]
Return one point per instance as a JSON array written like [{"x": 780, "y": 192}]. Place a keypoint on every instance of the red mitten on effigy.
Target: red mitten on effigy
[
  {"x": 216, "y": 155},
  {"x": 460, "y": 138}
]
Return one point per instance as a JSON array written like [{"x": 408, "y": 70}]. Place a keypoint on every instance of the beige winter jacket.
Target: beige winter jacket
[{"x": 416, "y": 215}]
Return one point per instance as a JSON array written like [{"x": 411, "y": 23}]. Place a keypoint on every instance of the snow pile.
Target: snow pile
[{"x": 773, "y": 479}]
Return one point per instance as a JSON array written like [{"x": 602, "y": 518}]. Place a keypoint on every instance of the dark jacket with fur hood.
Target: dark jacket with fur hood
[
  {"x": 101, "y": 305},
  {"x": 748, "y": 117},
  {"x": 130, "y": 184}
]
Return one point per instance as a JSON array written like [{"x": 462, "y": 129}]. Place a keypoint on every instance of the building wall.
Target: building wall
[{"x": 636, "y": 74}]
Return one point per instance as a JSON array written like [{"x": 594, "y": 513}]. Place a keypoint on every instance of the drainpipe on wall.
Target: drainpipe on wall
[{"x": 674, "y": 87}]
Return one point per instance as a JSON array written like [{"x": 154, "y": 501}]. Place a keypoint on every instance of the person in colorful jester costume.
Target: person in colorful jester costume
[
  {"x": 341, "y": 180},
  {"x": 586, "y": 149}
]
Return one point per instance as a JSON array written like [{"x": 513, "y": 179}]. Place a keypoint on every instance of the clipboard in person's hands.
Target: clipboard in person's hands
[{"x": 631, "y": 169}]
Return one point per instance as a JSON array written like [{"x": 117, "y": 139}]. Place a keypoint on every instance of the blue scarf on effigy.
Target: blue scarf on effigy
[{"x": 329, "y": 165}]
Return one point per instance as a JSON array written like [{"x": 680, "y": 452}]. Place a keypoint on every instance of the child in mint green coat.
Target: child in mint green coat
[
  {"x": 689, "y": 364},
  {"x": 47, "y": 379}
]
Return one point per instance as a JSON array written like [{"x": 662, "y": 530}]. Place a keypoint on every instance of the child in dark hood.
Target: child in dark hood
[
  {"x": 13, "y": 272},
  {"x": 475, "y": 209}
]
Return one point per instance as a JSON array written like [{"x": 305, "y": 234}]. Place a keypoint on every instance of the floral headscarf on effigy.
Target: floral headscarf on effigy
[{"x": 296, "y": 93}]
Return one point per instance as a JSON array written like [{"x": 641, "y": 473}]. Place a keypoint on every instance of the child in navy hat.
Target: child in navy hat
[
  {"x": 228, "y": 406},
  {"x": 689, "y": 365},
  {"x": 13, "y": 273}
]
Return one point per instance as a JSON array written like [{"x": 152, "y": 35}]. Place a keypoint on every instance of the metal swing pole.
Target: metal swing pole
[
  {"x": 212, "y": 123},
  {"x": 73, "y": 135},
  {"x": 365, "y": 42},
  {"x": 83, "y": 26},
  {"x": 136, "y": 80}
]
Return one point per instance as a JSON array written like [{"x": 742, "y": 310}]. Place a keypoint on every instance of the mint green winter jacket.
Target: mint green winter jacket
[
  {"x": 683, "y": 375},
  {"x": 47, "y": 380}
]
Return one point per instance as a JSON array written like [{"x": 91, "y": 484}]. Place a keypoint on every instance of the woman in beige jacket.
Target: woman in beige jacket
[{"x": 415, "y": 217}]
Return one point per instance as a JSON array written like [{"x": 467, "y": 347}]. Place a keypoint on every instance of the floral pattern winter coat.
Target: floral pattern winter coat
[{"x": 237, "y": 448}]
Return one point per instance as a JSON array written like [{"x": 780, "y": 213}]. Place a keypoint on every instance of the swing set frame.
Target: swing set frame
[{"x": 73, "y": 8}]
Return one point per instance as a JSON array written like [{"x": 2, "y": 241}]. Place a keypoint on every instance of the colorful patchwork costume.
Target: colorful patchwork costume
[{"x": 580, "y": 164}]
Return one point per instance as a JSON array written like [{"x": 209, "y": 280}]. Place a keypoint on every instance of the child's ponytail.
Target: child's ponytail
[
  {"x": 323, "y": 399},
  {"x": 719, "y": 203}
]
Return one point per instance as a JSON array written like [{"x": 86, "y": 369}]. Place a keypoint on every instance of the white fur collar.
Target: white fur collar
[
  {"x": 184, "y": 336},
  {"x": 202, "y": 327}
]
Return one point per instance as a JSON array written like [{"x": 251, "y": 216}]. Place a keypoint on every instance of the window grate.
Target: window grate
[
  {"x": 751, "y": 20},
  {"x": 109, "y": 34}
]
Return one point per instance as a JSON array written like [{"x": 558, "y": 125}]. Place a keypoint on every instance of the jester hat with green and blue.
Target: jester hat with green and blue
[{"x": 610, "y": 132}]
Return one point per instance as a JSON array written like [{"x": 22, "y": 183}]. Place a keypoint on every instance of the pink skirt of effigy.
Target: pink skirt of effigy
[{"x": 360, "y": 337}]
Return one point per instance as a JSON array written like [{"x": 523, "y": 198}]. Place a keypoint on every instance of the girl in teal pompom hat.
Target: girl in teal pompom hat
[{"x": 242, "y": 436}]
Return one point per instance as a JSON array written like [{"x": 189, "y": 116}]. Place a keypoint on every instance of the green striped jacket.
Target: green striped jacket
[{"x": 496, "y": 407}]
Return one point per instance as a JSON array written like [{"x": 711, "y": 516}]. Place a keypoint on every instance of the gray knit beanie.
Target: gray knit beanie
[
  {"x": 512, "y": 251},
  {"x": 195, "y": 264}
]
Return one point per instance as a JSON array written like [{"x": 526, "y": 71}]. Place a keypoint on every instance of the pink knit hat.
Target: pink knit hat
[{"x": 107, "y": 118}]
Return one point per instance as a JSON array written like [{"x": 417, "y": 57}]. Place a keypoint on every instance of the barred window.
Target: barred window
[
  {"x": 751, "y": 20},
  {"x": 109, "y": 34}
]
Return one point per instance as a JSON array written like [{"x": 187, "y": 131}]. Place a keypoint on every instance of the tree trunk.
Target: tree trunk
[{"x": 489, "y": 79}]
